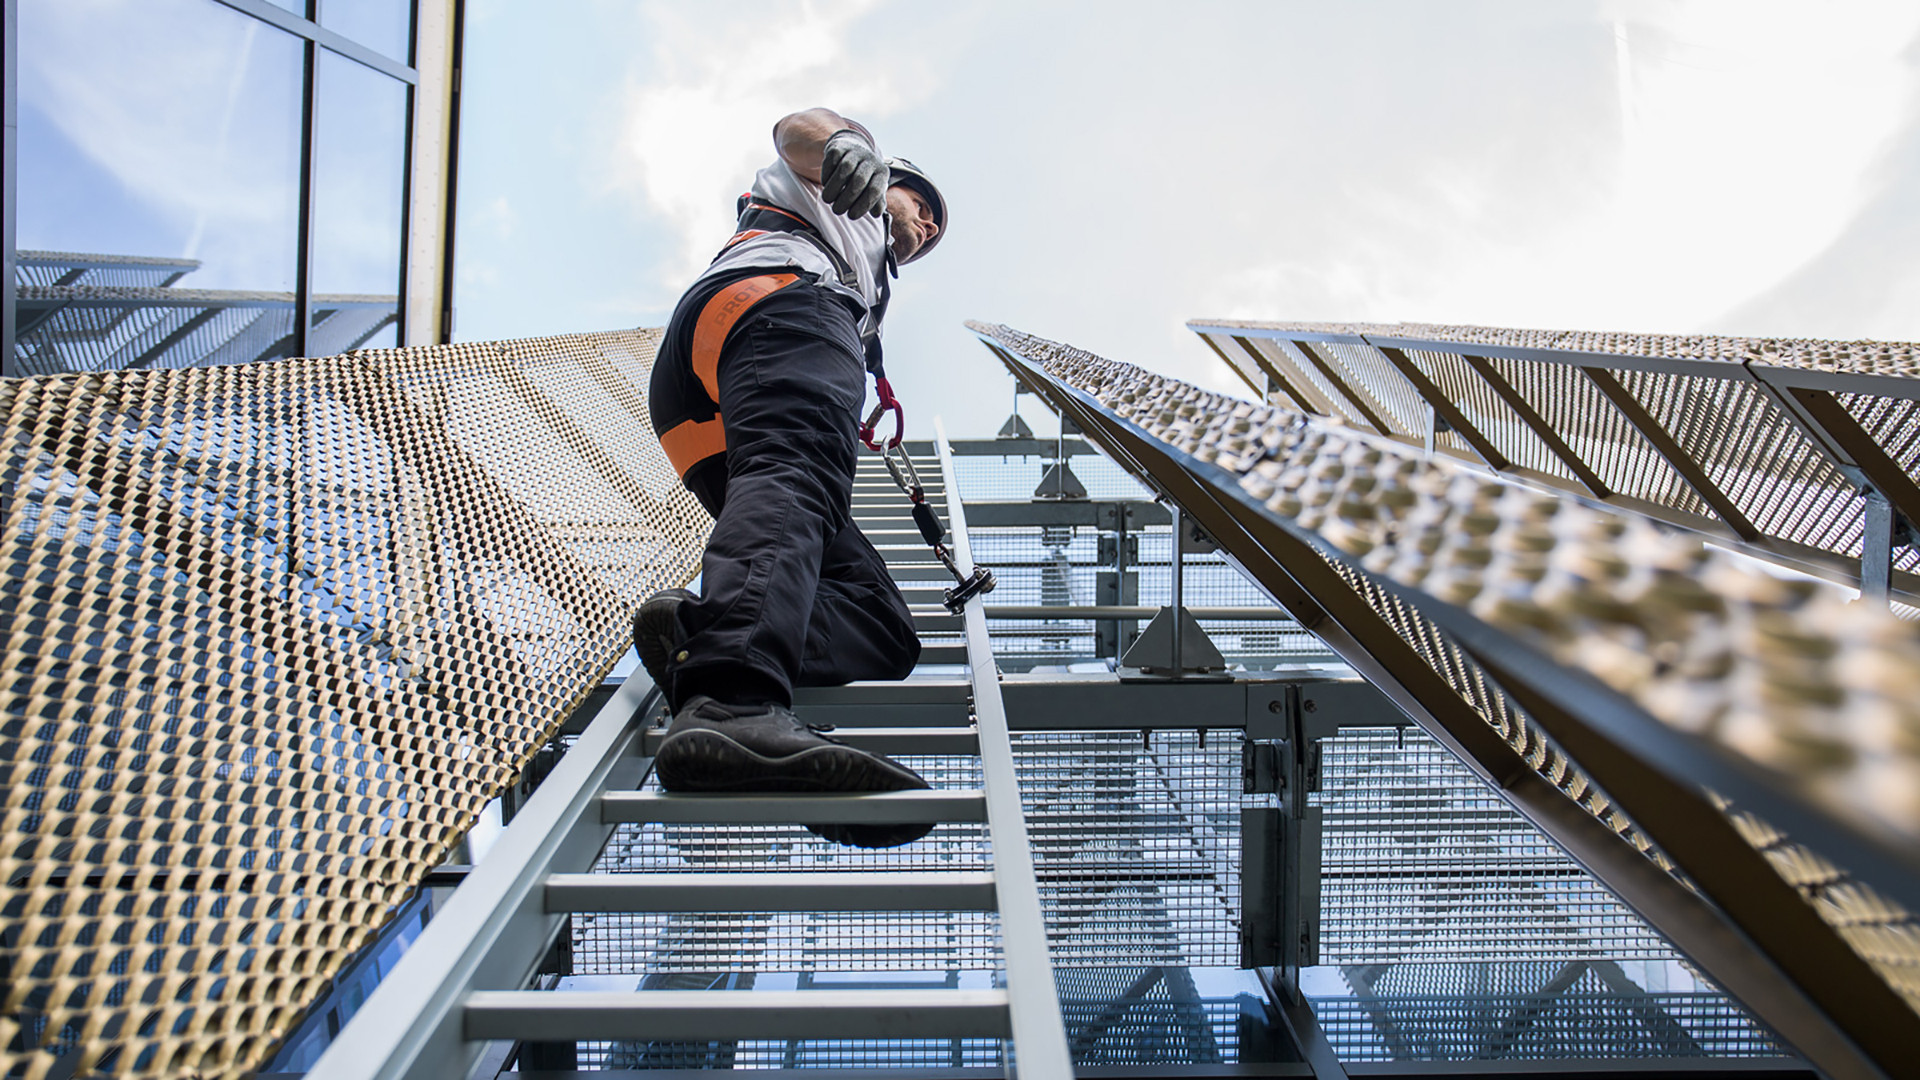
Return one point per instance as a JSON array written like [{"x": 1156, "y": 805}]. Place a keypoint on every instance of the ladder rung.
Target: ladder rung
[
  {"x": 882, "y": 808},
  {"x": 938, "y": 622},
  {"x": 851, "y": 718},
  {"x": 911, "y": 729},
  {"x": 905, "y": 692},
  {"x": 955, "y": 741},
  {"x": 694, "y": 1015},
  {"x": 906, "y": 553},
  {"x": 943, "y": 654},
  {"x": 960, "y": 890},
  {"x": 928, "y": 571}
]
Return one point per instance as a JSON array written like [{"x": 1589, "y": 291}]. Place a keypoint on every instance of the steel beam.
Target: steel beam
[
  {"x": 1286, "y": 386},
  {"x": 495, "y": 928},
  {"x": 1670, "y": 450},
  {"x": 1840, "y": 428},
  {"x": 1445, "y": 409},
  {"x": 1096, "y": 514},
  {"x": 1537, "y": 424},
  {"x": 1050, "y": 449},
  {"x": 1039, "y": 1035},
  {"x": 1131, "y": 611},
  {"x": 1092, "y": 701},
  {"x": 1823, "y": 1027}
]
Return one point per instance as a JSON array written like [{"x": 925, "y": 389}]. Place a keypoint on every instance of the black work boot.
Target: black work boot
[
  {"x": 657, "y": 633},
  {"x": 719, "y": 748}
]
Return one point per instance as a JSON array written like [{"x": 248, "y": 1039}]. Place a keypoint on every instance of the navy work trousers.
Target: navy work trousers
[{"x": 793, "y": 594}]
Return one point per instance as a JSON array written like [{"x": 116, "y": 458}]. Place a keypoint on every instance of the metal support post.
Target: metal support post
[
  {"x": 1883, "y": 531},
  {"x": 1175, "y": 563},
  {"x": 1114, "y": 585}
]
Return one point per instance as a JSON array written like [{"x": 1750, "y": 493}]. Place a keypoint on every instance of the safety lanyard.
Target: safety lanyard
[{"x": 900, "y": 467}]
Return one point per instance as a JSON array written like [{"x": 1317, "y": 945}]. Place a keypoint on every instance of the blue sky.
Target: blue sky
[
  {"x": 1118, "y": 168},
  {"x": 1739, "y": 166}
]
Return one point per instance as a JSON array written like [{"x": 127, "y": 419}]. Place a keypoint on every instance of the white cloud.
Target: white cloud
[
  {"x": 698, "y": 123},
  {"x": 1737, "y": 142}
]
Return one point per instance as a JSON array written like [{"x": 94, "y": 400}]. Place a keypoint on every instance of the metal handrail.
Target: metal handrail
[{"x": 496, "y": 927}]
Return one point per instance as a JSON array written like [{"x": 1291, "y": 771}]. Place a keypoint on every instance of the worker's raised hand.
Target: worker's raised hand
[{"x": 853, "y": 179}]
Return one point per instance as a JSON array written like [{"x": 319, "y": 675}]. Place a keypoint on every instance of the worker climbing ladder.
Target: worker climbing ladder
[{"x": 462, "y": 986}]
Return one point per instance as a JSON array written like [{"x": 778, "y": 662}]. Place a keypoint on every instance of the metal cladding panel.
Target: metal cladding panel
[
  {"x": 1767, "y": 442},
  {"x": 1675, "y": 668},
  {"x": 278, "y": 633}
]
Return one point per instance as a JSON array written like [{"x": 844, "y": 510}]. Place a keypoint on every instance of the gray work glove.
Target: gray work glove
[{"x": 853, "y": 179}]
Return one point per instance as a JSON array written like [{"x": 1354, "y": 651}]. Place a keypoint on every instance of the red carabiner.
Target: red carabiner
[{"x": 887, "y": 401}]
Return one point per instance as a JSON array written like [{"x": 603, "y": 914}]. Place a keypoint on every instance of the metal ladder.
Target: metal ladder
[{"x": 461, "y": 984}]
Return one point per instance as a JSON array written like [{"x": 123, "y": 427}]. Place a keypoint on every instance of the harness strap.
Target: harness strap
[{"x": 692, "y": 441}]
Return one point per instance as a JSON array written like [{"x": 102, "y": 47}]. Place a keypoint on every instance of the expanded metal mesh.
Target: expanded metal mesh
[
  {"x": 1295, "y": 359},
  {"x": 1392, "y": 398},
  {"x": 1719, "y": 399},
  {"x": 1528, "y": 1011},
  {"x": 1421, "y": 862},
  {"x": 276, "y": 634}
]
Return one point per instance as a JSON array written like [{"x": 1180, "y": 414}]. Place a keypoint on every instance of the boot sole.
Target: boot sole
[
  {"x": 707, "y": 761},
  {"x": 657, "y": 633}
]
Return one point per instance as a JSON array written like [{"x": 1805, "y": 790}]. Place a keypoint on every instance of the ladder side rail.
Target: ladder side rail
[
  {"x": 1039, "y": 1034},
  {"x": 496, "y": 927}
]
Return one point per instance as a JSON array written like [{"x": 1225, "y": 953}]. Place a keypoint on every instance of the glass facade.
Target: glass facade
[{"x": 202, "y": 182}]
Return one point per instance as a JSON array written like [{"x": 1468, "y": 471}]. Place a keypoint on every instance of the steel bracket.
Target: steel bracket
[{"x": 1260, "y": 767}]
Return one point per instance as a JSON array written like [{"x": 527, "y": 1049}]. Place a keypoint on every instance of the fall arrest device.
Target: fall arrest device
[{"x": 900, "y": 466}]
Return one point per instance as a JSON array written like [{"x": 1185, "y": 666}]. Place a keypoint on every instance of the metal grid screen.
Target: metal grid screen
[
  {"x": 1421, "y": 862},
  {"x": 276, "y": 633},
  {"x": 1528, "y": 1012}
]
